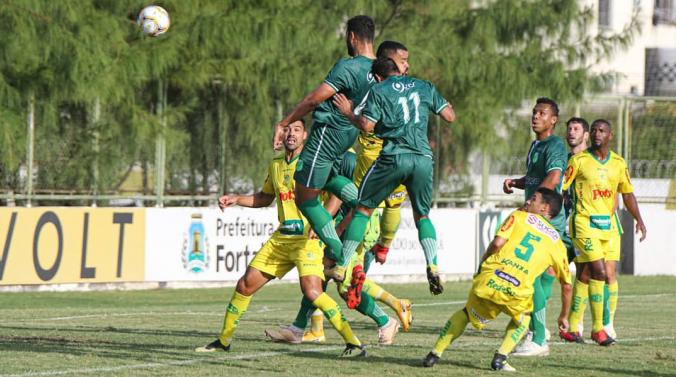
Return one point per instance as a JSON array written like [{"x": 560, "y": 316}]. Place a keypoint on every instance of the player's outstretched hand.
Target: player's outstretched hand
[
  {"x": 343, "y": 104},
  {"x": 507, "y": 186},
  {"x": 227, "y": 201},
  {"x": 640, "y": 227}
]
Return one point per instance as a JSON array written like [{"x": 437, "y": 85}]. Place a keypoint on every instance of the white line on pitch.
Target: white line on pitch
[{"x": 165, "y": 364}]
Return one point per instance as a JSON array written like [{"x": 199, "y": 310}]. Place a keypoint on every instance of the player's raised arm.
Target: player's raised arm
[{"x": 322, "y": 93}]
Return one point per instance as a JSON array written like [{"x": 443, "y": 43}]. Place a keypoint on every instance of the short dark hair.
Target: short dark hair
[
  {"x": 552, "y": 198},
  {"x": 602, "y": 121},
  {"x": 582, "y": 121},
  {"x": 550, "y": 102},
  {"x": 384, "y": 67},
  {"x": 362, "y": 26},
  {"x": 387, "y": 48}
]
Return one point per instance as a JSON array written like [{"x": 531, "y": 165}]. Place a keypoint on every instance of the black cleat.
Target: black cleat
[
  {"x": 353, "y": 350},
  {"x": 500, "y": 363},
  {"x": 214, "y": 346},
  {"x": 430, "y": 360},
  {"x": 435, "y": 282}
]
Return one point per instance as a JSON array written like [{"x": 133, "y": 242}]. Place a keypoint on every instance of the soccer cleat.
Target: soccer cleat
[
  {"x": 354, "y": 290},
  {"x": 571, "y": 337},
  {"x": 285, "y": 334},
  {"x": 602, "y": 338},
  {"x": 214, "y": 346},
  {"x": 387, "y": 333},
  {"x": 530, "y": 348},
  {"x": 353, "y": 350},
  {"x": 500, "y": 363},
  {"x": 435, "y": 281},
  {"x": 336, "y": 273},
  {"x": 430, "y": 360},
  {"x": 380, "y": 252},
  {"x": 314, "y": 337},
  {"x": 610, "y": 330},
  {"x": 405, "y": 313}
]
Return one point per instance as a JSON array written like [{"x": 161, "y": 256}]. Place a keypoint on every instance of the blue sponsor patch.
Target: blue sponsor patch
[{"x": 507, "y": 277}]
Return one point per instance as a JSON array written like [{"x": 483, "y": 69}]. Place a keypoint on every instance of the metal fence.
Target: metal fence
[{"x": 644, "y": 134}]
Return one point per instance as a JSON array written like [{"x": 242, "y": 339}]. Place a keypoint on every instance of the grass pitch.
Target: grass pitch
[{"x": 154, "y": 333}]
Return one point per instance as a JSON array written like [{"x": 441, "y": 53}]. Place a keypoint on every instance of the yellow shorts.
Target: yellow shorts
[
  {"x": 614, "y": 245},
  {"x": 364, "y": 162},
  {"x": 590, "y": 249},
  {"x": 277, "y": 257},
  {"x": 481, "y": 311}
]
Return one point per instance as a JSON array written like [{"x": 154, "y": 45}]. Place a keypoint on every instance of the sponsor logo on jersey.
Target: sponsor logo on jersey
[
  {"x": 286, "y": 196},
  {"x": 568, "y": 174},
  {"x": 599, "y": 222},
  {"x": 604, "y": 194},
  {"x": 500, "y": 288},
  {"x": 511, "y": 263},
  {"x": 540, "y": 225},
  {"x": 399, "y": 87},
  {"x": 507, "y": 277},
  {"x": 194, "y": 256},
  {"x": 370, "y": 78}
]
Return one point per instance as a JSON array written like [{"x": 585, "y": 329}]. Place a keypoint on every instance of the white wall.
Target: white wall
[{"x": 657, "y": 254}]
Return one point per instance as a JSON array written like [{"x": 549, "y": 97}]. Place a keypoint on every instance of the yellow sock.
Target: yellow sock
[
  {"x": 332, "y": 311},
  {"x": 389, "y": 223},
  {"x": 236, "y": 309},
  {"x": 596, "y": 303},
  {"x": 513, "y": 335},
  {"x": 454, "y": 327},
  {"x": 579, "y": 304},
  {"x": 317, "y": 321},
  {"x": 377, "y": 292},
  {"x": 613, "y": 290}
]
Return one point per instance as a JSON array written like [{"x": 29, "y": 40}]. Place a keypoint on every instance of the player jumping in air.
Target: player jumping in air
[
  {"x": 331, "y": 136},
  {"x": 523, "y": 248},
  {"x": 397, "y": 109},
  {"x": 288, "y": 247}
]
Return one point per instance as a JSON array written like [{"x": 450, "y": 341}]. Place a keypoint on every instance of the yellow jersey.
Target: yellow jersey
[
  {"x": 370, "y": 144},
  {"x": 595, "y": 185},
  {"x": 532, "y": 246},
  {"x": 280, "y": 183}
]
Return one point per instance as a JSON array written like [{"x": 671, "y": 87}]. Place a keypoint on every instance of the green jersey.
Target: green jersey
[
  {"x": 400, "y": 107},
  {"x": 544, "y": 156},
  {"x": 351, "y": 77}
]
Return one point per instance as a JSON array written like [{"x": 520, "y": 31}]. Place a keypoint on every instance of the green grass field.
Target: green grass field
[{"x": 154, "y": 333}]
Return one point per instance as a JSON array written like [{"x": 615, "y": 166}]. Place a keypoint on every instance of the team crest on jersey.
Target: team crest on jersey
[
  {"x": 535, "y": 158},
  {"x": 507, "y": 224},
  {"x": 568, "y": 174},
  {"x": 195, "y": 257}
]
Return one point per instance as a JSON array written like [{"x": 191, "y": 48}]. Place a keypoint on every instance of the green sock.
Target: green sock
[
  {"x": 306, "y": 309},
  {"x": 428, "y": 240},
  {"x": 547, "y": 282},
  {"x": 344, "y": 189},
  {"x": 368, "y": 259},
  {"x": 368, "y": 307},
  {"x": 606, "y": 307},
  {"x": 354, "y": 234},
  {"x": 322, "y": 223},
  {"x": 539, "y": 312}
]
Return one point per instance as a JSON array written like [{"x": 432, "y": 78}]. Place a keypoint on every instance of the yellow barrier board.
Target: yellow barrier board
[{"x": 48, "y": 245}]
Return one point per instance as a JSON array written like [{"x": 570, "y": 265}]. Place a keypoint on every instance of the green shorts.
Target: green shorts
[
  {"x": 387, "y": 172},
  {"x": 321, "y": 157}
]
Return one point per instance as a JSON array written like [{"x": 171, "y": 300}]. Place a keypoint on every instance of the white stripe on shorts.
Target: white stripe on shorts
[{"x": 314, "y": 160}]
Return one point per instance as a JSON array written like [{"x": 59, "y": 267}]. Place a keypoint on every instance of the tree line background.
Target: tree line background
[{"x": 105, "y": 97}]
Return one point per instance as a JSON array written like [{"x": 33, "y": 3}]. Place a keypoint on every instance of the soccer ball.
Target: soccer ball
[{"x": 154, "y": 20}]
